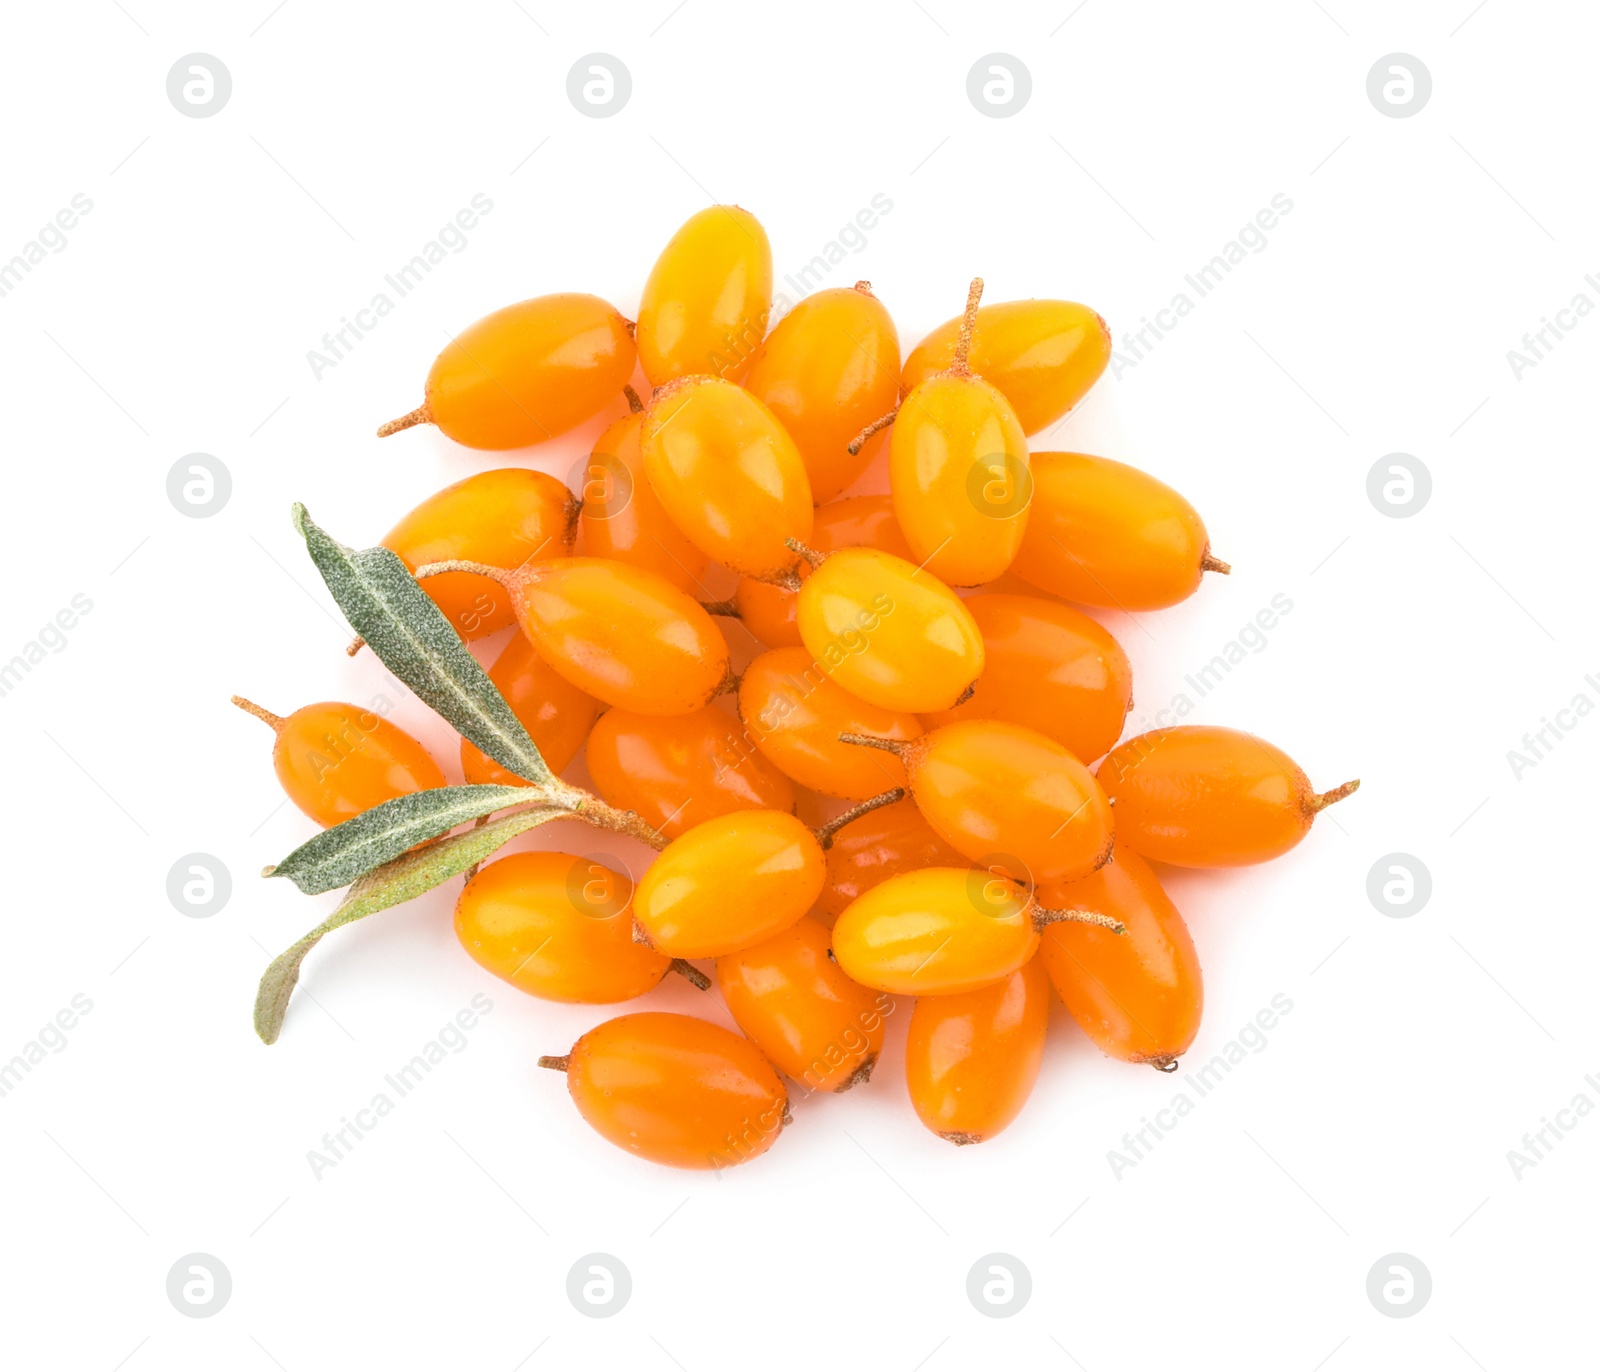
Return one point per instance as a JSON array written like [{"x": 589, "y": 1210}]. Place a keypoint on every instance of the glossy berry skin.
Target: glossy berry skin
[
  {"x": 727, "y": 474},
  {"x": 531, "y": 371},
  {"x": 958, "y": 470},
  {"x": 558, "y": 927},
  {"x": 336, "y": 761},
  {"x": 1042, "y": 355},
  {"x": 813, "y": 1023},
  {"x": 864, "y": 521},
  {"x": 677, "y": 771},
  {"x": 1137, "y": 995},
  {"x": 1049, "y": 668},
  {"x": 556, "y": 714},
  {"x": 503, "y": 518},
  {"x": 1002, "y": 794},
  {"x": 676, "y": 1090},
  {"x": 622, "y": 634},
  {"x": 1202, "y": 796},
  {"x": 794, "y": 713},
  {"x": 829, "y": 368},
  {"x": 879, "y": 845},
  {"x": 729, "y": 883},
  {"x": 1103, "y": 533},
  {"x": 705, "y": 304},
  {"x": 623, "y": 520},
  {"x": 935, "y": 932},
  {"x": 889, "y": 633},
  {"x": 972, "y": 1058}
]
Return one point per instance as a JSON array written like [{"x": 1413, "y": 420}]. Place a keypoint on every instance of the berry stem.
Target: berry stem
[
  {"x": 592, "y": 810},
  {"x": 825, "y": 832},
  {"x": 635, "y": 405},
  {"x": 881, "y": 422},
  {"x": 969, "y": 319},
  {"x": 865, "y": 287},
  {"x": 276, "y": 722},
  {"x": 459, "y": 565},
  {"x": 889, "y": 745},
  {"x": 1043, "y": 919},
  {"x": 556, "y": 1063},
  {"x": 1333, "y": 797},
  {"x": 356, "y": 645},
  {"x": 811, "y": 555},
  {"x": 1214, "y": 564},
  {"x": 1167, "y": 1062},
  {"x": 690, "y": 973},
  {"x": 727, "y": 609},
  {"x": 421, "y": 415}
]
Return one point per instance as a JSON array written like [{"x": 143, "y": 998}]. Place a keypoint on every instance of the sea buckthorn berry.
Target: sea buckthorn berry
[
  {"x": 706, "y": 301},
  {"x": 1042, "y": 355},
  {"x": 556, "y": 714},
  {"x": 1049, "y": 668},
  {"x": 1005, "y": 795},
  {"x": 1197, "y": 795},
  {"x": 526, "y": 373},
  {"x": 794, "y": 712},
  {"x": 814, "y": 1024},
  {"x": 622, "y": 519},
  {"x": 889, "y": 632},
  {"x": 829, "y": 368},
  {"x": 677, "y": 771},
  {"x": 558, "y": 927},
  {"x": 505, "y": 518},
  {"x": 1103, "y": 533},
  {"x": 675, "y": 1090},
  {"x": 972, "y": 1058},
  {"x": 864, "y": 521},
  {"x": 876, "y": 847},
  {"x": 941, "y": 930},
  {"x": 958, "y": 470},
  {"x": 727, "y": 474},
  {"x": 729, "y": 883},
  {"x": 336, "y": 761},
  {"x": 1139, "y": 996}
]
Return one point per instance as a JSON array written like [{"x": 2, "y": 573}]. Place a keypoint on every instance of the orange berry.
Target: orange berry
[
  {"x": 1201, "y": 796},
  {"x": 336, "y": 761},
  {"x": 1049, "y": 668},
  {"x": 558, "y": 927},
  {"x": 876, "y": 847},
  {"x": 972, "y": 1058},
  {"x": 1138, "y": 996},
  {"x": 705, "y": 304},
  {"x": 829, "y": 368},
  {"x": 727, "y": 474},
  {"x": 1042, "y": 355},
  {"x": 794, "y": 713},
  {"x": 864, "y": 521},
  {"x": 622, "y": 519},
  {"x": 675, "y": 1090},
  {"x": 621, "y": 633},
  {"x": 1103, "y": 533},
  {"x": 556, "y": 714},
  {"x": 729, "y": 883},
  {"x": 677, "y": 771},
  {"x": 526, "y": 373},
  {"x": 814, "y": 1024},
  {"x": 889, "y": 632}
]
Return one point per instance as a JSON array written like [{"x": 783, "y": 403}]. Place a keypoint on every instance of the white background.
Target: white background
[{"x": 1418, "y": 652}]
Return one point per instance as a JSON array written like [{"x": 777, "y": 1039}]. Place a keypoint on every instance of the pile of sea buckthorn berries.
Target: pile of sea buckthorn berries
[{"x": 982, "y": 860}]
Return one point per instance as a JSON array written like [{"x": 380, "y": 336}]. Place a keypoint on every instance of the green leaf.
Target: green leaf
[
  {"x": 339, "y": 855},
  {"x": 413, "y": 639},
  {"x": 401, "y": 880}
]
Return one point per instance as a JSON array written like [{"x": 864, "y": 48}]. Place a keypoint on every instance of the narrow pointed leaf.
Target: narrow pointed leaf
[
  {"x": 340, "y": 855},
  {"x": 391, "y": 884},
  {"x": 413, "y": 639}
]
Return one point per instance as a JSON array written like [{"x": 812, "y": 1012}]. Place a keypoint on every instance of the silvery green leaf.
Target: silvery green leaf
[
  {"x": 401, "y": 880},
  {"x": 340, "y": 855},
  {"x": 413, "y": 639}
]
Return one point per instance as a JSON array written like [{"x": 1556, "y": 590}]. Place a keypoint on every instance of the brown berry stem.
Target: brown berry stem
[
  {"x": 690, "y": 973},
  {"x": 881, "y": 422},
  {"x": 592, "y": 810},
  {"x": 1166, "y": 1063},
  {"x": 811, "y": 555},
  {"x": 865, "y": 287},
  {"x": 556, "y": 1063},
  {"x": 458, "y": 565},
  {"x": 1043, "y": 919},
  {"x": 1333, "y": 797},
  {"x": 969, "y": 319},
  {"x": 825, "y": 832},
  {"x": 727, "y": 609},
  {"x": 635, "y": 405},
  {"x": 276, "y": 722},
  {"x": 355, "y": 646},
  {"x": 421, "y": 415},
  {"x": 1214, "y": 564},
  {"x": 889, "y": 745}
]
